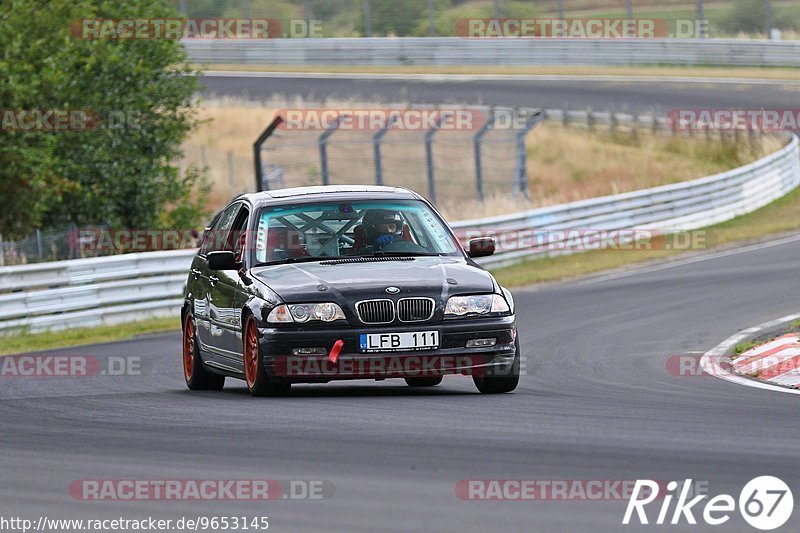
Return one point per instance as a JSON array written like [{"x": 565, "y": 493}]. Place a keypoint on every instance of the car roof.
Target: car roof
[{"x": 330, "y": 193}]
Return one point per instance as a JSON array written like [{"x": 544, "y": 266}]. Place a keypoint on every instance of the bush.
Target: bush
[
  {"x": 745, "y": 16},
  {"x": 119, "y": 176}
]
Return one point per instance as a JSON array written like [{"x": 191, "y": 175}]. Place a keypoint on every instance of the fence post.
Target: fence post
[
  {"x": 260, "y": 185},
  {"x": 367, "y": 19},
  {"x": 39, "y": 251},
  {"x": 376, "y": 146},
  {"x": 699, "y": 16},
  {"x": 520, "y": 172},
  {"x": 477, "y": 140},
  {"x": 73, "y": 241},
  {"x": 323, "y": 150},
  {"x": 2, "y": 252},
  {"x": 429, "y": 155},
  {"x": 432, "y": 19},
  {"x": 230, "y": 171}
]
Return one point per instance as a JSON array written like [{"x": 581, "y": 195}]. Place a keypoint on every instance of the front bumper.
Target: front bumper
[{"x": 452, "y": 356}]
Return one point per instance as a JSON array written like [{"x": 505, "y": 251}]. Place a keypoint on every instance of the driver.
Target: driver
[{"x": 381, "y": 227}]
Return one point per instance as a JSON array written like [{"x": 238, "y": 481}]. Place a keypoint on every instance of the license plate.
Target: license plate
[{"x": 394, "y": 342}]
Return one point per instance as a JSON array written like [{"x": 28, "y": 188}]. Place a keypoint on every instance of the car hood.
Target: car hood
[{"x": 435, "y": 277}]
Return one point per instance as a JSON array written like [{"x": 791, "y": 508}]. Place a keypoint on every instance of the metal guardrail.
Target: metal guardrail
[
  {"x": 92, "y": 292},
  {"x": 448, "y": 51},
  {"x": 668, "y": 208},
  {"x": 109, "y": 290}
]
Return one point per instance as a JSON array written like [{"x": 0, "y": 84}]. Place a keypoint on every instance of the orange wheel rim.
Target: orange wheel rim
[
  {"x": 188, "y": 348},
  {"x": 251, "y": 355}
]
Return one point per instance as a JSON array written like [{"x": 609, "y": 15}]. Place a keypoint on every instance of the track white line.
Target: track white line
[
  {"x": 710, "y": 360},
  {"x": 688, "y": 261},
  {"x": 495, "y": 77}
]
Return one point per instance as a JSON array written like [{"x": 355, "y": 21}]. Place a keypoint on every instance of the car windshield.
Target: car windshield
[{"x": 331, "y": 230}]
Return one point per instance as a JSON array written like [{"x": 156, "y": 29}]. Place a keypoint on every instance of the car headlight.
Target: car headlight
[
  {"x": 325, "y": 312},
  {"x": 477, "y": 304}
]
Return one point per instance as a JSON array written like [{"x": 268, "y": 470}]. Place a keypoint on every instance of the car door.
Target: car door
[
  {"x": 225, "y": 293},
  {"x": 208, "y": 332}
]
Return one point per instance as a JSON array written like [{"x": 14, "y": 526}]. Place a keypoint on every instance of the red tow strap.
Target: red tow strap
[{"x": 335, "y": 351}]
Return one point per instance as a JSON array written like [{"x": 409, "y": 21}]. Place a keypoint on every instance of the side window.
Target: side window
[
  {"x": 206, "y": 239},
  {"x": 239, "y": 234},
  {"x": 217, "y": 239}
]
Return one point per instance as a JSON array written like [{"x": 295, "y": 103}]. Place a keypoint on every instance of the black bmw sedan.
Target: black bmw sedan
[{"x": 314, "y": 284}]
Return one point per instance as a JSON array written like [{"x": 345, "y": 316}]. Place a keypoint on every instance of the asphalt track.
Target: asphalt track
[
  {"x": 568, "y": 93},
  {"x": 596, "y": 403}
]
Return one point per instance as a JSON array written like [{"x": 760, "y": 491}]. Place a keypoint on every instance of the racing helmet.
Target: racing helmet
[{"x": 374, "y": 218}]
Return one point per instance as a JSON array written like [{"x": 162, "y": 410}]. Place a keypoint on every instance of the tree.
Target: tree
[
  {"x": 390, "y": 17},
  {"x": 745, "y": 16},
  {"x": 121, "y": 173}
]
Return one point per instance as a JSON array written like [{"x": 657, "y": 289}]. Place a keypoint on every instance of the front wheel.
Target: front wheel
[
  {"x": 259, "y": 383},
  {"x": 498, "y": 383},
  {"x": 197, "y": 376}
]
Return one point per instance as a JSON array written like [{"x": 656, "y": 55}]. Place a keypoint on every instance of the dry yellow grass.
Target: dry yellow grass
[{"x": 563, "y": 164}]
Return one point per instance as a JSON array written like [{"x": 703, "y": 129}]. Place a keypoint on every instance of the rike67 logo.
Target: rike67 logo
[{"x": 765, "y": 503}]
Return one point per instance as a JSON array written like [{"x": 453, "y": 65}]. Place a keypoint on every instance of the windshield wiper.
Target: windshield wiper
[
  {"x": 301, "y": 259},
  {"x": 398, "y": 254}
]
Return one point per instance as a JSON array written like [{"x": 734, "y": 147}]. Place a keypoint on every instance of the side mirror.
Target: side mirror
[
  {"x": 481, "y": 247},
  {"x": 222, "y": 261}
]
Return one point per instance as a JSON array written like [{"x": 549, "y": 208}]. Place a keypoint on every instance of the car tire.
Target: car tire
[
  {"x": 499, "y": 383},
  {"x": 197, "y": 375},
  {"x": 259, "y": 382},
  {"x": 423, "y": 382}
]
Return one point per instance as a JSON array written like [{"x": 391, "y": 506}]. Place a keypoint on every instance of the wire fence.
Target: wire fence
[
  {"x": 484, "y": 157},
  {"x": 443, "y": 166},
  {"x": 42, "y": 246},
  {"x": 454, "y": 168}
]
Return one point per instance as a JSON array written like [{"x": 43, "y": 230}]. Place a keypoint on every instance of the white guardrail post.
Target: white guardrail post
[{"x": 115, "y": 289}]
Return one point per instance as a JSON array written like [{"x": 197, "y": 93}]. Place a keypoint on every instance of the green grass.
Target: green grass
[
  {"x": 31, "y": 342},
  {"x": 742, "y": 347},
  {"x": 782, "y": 215}
]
